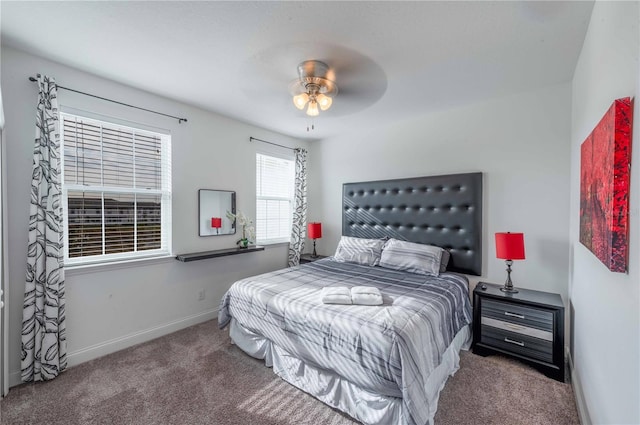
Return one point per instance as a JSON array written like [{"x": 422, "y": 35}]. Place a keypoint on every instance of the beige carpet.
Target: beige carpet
[
  {"x": 195, "y": 376},
  {"x": 497, "y": 390}
]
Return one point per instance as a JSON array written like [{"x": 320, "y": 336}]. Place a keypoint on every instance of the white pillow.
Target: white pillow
[
  {"x": 411, "y": 257},
  {"x": 359, "y": 250}
]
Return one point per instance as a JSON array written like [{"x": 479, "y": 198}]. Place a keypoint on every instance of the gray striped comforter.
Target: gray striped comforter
[{"x": 389, "y": 349}]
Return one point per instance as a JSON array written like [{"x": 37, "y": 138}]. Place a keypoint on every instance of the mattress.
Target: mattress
[{"x": 389, "y": 350}]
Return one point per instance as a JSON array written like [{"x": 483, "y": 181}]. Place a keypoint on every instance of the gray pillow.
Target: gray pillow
[
  {"x": 444, "y": 260},
  {"x": 359, "y": 250},
  {"x": 411, "y": 257}
]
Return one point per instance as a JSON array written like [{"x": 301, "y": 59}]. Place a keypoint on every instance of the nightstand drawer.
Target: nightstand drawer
[
  {"x": 519, "y": 314},
  {"x": 519, "y": 329},
  {"x": 527, "y": 346}
]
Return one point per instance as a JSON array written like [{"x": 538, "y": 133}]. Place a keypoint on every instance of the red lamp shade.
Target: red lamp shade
[
  {"x": 314, "y": 230},
  {"x": 216, "y": 222},
  {"x": 510, "y": 246}
]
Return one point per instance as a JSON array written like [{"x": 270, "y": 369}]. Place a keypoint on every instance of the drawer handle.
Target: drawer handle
[
  {"x": 510, "y": 341},
  {"x": 519, "y": 316}
]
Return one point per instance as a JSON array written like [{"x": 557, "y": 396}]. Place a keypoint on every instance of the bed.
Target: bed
[{"x": 380, "y": 364}]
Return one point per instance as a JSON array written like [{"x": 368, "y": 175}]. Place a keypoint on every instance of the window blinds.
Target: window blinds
[
  {"x": 274, "y": 198},
  {"x": 116, "y": 188}
]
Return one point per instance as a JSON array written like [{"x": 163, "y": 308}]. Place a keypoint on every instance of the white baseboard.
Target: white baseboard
[
  {"x": 583, "y": 411},
  {"x": 102, "y": 349}
]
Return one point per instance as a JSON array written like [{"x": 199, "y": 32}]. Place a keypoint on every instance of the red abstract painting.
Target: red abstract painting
[{"x": 605, "y": 158}]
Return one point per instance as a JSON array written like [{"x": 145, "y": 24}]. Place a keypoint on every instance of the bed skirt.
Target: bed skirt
[{"x": 335, "y": 391}]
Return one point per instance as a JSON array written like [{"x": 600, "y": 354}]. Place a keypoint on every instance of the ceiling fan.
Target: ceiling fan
[
  {"x": 317, "y": 70},
  {"x": 313, "y": 88}
]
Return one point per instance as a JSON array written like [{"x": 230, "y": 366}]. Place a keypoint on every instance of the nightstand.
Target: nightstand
[
  {"x": 528, "y": 325},
  {"x": 307, "y": 258}
]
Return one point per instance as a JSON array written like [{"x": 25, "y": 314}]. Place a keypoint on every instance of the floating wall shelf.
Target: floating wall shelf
[{"x": 194, "y": 256}]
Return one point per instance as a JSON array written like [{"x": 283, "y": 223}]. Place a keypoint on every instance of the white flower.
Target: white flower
[{"x": 248, "y": 230}]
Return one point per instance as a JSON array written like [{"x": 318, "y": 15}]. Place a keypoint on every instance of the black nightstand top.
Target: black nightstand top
[
  {"x": 527, "y": 296},
  {"x": 308, "y": 258}
]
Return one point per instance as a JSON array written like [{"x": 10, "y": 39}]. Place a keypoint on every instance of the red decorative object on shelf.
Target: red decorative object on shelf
[{"x": 216, "y": 223}]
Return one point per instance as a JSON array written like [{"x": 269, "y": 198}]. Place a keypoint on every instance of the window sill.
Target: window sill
[
  {"x": 78, "y": 269},
  {"x": 273, "y": 244}
]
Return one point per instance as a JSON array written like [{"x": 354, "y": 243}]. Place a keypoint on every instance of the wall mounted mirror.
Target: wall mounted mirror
[{"x": 213, "y": 206}]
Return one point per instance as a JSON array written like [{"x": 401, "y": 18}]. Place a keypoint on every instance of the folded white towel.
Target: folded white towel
[
  {"x": 336, "y": 295},
  {"x": 366, "y": 295}
]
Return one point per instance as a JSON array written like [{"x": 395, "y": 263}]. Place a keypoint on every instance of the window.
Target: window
[
  {"x": 116, "y": 188},
  {"x": 274, "y": 198}
]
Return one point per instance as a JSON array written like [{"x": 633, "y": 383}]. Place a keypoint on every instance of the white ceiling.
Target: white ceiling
[{"x": 391, "y": 59}]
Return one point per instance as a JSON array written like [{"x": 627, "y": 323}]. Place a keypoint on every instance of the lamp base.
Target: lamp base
[
  {"x": 508, "y": 285},
  {"x": 315, "y": 254},
  {"x": 511, "y": 290}
]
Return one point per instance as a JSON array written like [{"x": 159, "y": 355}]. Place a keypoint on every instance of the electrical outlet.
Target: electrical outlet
[{"x": 201, "y": 295}]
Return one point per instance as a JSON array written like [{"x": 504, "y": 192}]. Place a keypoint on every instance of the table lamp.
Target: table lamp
[
  {"x": 216, "y": 223},
  {"x": 509, "y": 247},
  {"x": 314, "y": 231}
]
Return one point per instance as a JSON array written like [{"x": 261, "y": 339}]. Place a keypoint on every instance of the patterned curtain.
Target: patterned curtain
[
  {"x": 299, "y": 222},
  {"x": 44, "y": 344}
]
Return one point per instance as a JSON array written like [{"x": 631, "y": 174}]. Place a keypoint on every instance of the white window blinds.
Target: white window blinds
[
  {"x": 274, "y": 198},
  {"x": 116, "y": 190}
]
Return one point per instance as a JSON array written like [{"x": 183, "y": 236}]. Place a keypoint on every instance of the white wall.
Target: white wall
[
  {"x": 4, "y": 358},
  {"x": 606, "y": 354},
  {"x": 520, "y": 143},
  {"x": 109, "y": 308}
]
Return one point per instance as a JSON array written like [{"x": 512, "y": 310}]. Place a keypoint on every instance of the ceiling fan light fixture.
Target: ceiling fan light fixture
[
  {"x": 324, "y": 101},
  {"x": 312, "y": 110},
  {"x": 300, "y": 100},
  {"x": 313, "y": 87}
]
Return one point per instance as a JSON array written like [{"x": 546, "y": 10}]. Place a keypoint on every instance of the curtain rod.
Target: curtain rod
[
  {"x": 180, "y": 120},
  {"x": 251, "y": 139}
]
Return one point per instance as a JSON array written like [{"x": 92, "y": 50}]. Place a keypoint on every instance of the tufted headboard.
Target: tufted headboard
[{"x": 445, "y": 211}]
